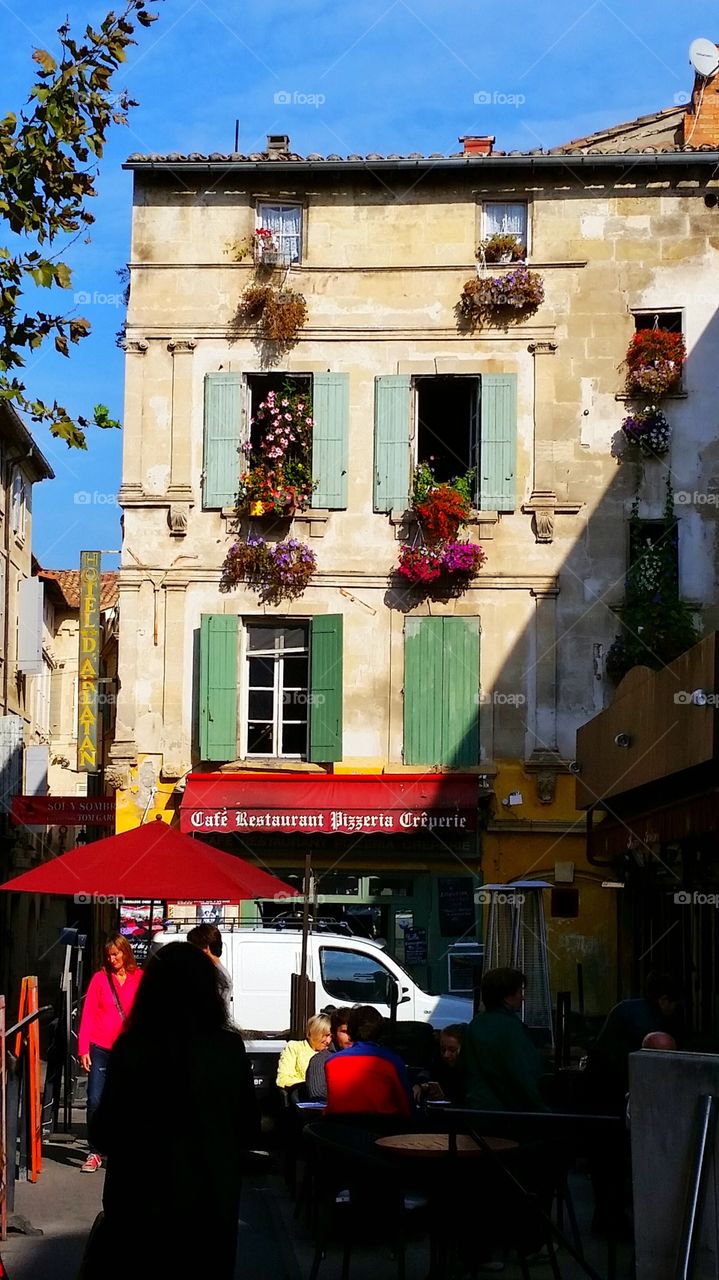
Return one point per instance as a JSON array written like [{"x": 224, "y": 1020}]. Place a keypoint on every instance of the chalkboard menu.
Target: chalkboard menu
[
  {"x": 415, "y": 946},
  {"x": 457, "y": 915}
]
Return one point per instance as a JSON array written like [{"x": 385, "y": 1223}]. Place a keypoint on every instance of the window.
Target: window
[
  {"x": 653, "y": 558},
  {"x": 351, "y": 977},
  {"x": 500, "y": 217},
  {"x": 285, "y": 223},
  {"x": 19, "y": 504},
  {"x": 231, "y": 401},
  {"x": 277, "y": 675},
  {"x": 258, "y": 387},
  {"x": 274, "y": 688},
  {"x": 456, "y": 424},
  {"x": 447, "y": 424},
  {"x": 672, "y": 321}
]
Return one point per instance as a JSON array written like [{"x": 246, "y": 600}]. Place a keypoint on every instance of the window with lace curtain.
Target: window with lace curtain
[
  {"x": 502, "y": 217},
  {"x": 285, "y": 223}
]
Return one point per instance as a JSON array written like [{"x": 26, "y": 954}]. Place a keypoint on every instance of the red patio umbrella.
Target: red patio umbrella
[{"x": 152, "y": 861}]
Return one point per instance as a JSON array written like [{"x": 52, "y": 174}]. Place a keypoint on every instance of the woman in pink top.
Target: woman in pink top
[{"x": 108, "y": 1002}]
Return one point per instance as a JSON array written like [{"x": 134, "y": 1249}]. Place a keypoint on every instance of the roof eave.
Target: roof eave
[
  {"x": 33, "y": 460},
  {"x": 654, "y": 159}
]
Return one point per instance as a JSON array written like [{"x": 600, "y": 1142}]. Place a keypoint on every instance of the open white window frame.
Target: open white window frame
[
  {"x": 474, "y": 428},
  {"x": 264, "y": 210},
  {"x": 486, "y": 228},
  {"x": 648, "y": 314},
  {"x": 243, "y": 698}
]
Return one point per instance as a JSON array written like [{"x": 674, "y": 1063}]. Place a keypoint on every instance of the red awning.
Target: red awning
[
  {"x": 327, "y": 804},
  {"x": 152, "y": 861}
]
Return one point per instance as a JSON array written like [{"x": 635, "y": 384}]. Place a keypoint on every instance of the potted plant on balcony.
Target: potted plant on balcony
[
  {"x": 502, "y": 246},
  {"x": 278, "y": 480},
  {"x": 500, "y": 300},
  {"x": 435, "y": 554},
  {"x": 266, "y": 250},
  {"x": 654, "y": 362}
]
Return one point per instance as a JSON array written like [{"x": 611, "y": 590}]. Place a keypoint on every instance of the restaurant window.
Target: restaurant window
[
  {"x": 354, "y": 978},
  {"x": 285, "y": 223},
  {"x": 277, "y": 690}
]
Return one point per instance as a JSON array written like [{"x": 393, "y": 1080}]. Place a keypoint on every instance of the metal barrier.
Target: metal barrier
[{"x": 20, "y": 1113}]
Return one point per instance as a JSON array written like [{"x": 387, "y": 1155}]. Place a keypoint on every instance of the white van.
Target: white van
[{"x": 346, "y": 970}]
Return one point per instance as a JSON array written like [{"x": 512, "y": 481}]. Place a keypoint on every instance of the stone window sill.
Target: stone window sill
[
  {"x": 485, "y": 520},
  {"x": 316, "y": 517},
  {"x": 673, "y": 395}
]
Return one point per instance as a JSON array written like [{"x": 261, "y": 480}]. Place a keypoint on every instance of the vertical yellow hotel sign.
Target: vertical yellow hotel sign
[{"x": 89, "y": 663}]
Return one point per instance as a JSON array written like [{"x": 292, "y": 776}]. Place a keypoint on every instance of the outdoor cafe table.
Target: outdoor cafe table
[
  {"x": 434, "y": 1145},
  {"x": 435, "y": 1153}
]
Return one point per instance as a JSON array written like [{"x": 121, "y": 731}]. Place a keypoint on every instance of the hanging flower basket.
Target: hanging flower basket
[
  {"x": 501, "y": 300},
  {"x": 278, "y": 571},
  {"x": 654, "y": 362},
  {"x": 648, "y": 431},
  {"x": 278, "y": 313},
  {"x": 452, "y": 562}
]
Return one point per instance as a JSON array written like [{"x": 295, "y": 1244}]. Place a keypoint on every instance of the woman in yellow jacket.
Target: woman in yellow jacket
[{"x": 295, "y": 1057}]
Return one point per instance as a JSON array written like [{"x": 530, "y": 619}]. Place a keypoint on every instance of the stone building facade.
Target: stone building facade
[{"x": 492, "y": 683}]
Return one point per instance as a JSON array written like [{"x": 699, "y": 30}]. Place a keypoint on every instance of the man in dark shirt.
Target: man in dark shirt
[
  {"x": 624, "y": 1031},
  {"x": 501, "y": 1065}
]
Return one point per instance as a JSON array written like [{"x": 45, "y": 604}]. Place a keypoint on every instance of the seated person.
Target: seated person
[
  {"x": 502, "y": 1066},
  {"x": 367, "y": 1078},
  {"x": 297, "y": 1054},
  {"x": 315, "y": 1078},
  {"x": 444, "y": 1081}
]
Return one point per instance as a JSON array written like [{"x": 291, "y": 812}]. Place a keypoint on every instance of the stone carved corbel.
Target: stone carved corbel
[
  {"x": 117, "y": 777},
  {"x": 181, "y": 346},
  {"x": 546, "y": 787},
  {"x": 178, "y": 514}
]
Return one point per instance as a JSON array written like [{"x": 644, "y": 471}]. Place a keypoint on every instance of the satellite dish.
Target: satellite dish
[{"x": 704, "y": 57}]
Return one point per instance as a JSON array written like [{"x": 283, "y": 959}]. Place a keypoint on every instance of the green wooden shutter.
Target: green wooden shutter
[
  {"x": 460, "y": 691},
  {"x": 326, "y": 688},
  {"x": 392, "y": 405},
  {"x": 498, "y": 452},
  {"x": 423, "y": 639},
  {"x": 330, "y": 410},
  {"x": 218, "y": 686},
  {"x": 224, "y": 396},
  {"x": 441, "y": 691}
]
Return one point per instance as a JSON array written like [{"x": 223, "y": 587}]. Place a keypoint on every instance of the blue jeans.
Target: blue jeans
[{"x": 96, "y": 1082}]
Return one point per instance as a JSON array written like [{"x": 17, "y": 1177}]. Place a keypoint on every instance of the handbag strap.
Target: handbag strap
[{"x": 116, "y": 997}]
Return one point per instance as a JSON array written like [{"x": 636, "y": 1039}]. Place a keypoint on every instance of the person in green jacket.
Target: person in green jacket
[{"x": 501, "y": 1065}]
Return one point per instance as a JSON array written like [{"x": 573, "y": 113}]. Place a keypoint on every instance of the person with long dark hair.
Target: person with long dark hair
[
  {"x": 177, "y": 1112},
  {"x": 109, "y": 999}
]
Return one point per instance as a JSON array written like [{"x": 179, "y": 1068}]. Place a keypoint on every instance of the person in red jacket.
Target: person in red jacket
[
  {"x": 367, "y": 1078},
  {"x": 109, "y": 1000}
]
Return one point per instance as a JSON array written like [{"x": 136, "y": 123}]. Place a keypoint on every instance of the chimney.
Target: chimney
[
  {"x": 701, "y": 121},
  {"x": 478, "y": 146},
  {"x": 277, "y": 144}
]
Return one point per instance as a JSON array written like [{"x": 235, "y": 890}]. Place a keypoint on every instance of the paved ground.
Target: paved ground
[{"x": 273, "y": 1242}]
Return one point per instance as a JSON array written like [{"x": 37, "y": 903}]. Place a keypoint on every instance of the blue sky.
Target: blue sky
[{"x": 377, "y": 75}]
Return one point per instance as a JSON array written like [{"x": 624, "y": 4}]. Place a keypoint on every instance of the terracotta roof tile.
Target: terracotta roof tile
[{"x": 68, "y": 581}]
